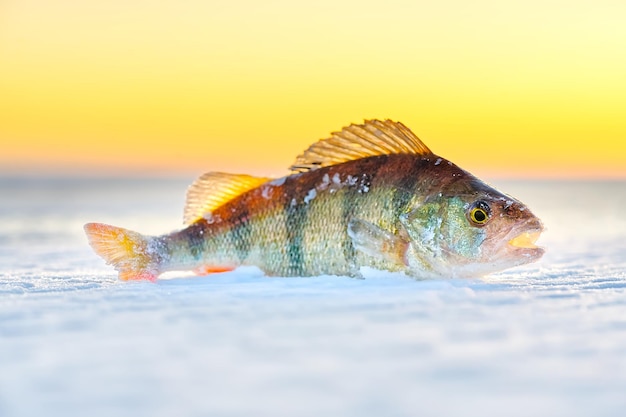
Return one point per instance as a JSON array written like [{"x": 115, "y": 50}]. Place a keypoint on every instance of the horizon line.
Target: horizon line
[{"x": 175, "y": 174}]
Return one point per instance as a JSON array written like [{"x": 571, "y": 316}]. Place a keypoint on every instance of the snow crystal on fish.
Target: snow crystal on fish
[{"x": 310, "y": 196}]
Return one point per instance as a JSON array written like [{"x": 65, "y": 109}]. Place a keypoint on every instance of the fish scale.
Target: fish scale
[
  {"x": 371, "y": 195},
  {"x": 308, "y": 250}
]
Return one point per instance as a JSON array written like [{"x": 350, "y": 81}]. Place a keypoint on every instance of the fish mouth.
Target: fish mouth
[
  {"x": 526, "y": 240},
  {"x": 522, "y": 240}
]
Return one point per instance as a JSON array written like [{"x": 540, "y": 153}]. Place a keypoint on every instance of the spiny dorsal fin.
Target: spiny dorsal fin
[
  {"x": 213, "y": 189},
  {"x": 372, "y": 138}
]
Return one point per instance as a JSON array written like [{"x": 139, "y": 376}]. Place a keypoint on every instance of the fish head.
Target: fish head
[{"x": 469, "y": 229}]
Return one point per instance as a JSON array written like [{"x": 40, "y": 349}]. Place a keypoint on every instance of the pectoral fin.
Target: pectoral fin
[{"x": 374, "y": 241}]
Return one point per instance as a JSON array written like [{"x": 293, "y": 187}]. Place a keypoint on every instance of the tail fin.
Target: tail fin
[{"x": 129, "y": 252}]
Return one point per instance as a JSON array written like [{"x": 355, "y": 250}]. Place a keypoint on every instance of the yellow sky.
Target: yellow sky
[{"x": 504, "y": 89}]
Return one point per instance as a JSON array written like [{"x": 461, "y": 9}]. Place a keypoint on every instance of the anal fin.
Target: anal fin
[
  {"x": 379, "y": 243},
  {"x": 212, "y": 269}
]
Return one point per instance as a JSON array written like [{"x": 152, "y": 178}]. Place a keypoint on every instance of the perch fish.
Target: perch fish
[{"x": 372, "y": 195}]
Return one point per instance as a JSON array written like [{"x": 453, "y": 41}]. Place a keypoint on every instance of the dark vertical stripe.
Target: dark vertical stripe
[
  {"x": 241, "y": 235},
  {"x": 195, "y": 236},
  {"x": 349, "y": 202},
  {"x": 295, "y": 221},
  {"x": 404, "y": 192},
  {"x": 400, "y": 200}
]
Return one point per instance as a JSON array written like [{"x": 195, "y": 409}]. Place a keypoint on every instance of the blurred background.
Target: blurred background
[
  {"x": 518, "y": 89},
  {"x": 108, "y": 109}
]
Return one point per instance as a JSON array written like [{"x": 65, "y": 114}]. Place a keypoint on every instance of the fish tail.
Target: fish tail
[{"x": 133, "y": 255}]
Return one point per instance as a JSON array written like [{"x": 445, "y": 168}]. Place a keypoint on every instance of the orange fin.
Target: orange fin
[
  {"x": 212, "y": 269},
  {"x": 214, "y": 189},
  {"x": 129, "y": 252},
  {"x": 372, "y": 138}
]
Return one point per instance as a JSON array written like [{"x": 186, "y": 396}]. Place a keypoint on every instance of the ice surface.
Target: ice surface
[{"x": 546, "y": 339}]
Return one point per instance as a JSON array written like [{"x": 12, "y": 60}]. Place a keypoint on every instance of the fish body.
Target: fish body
[{"x": 372, "y": 195}]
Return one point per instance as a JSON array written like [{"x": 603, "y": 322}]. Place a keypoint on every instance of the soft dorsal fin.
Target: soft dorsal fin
[
  {"x": 372, "y": 138},
  {"x": 213, "y": 189}
]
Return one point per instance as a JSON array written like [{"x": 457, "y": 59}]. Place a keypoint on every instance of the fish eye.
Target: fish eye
[{"x": 479, "y": 213}]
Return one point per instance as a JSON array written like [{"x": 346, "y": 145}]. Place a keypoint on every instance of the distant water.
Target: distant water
[{"x": 547, "y": 339}]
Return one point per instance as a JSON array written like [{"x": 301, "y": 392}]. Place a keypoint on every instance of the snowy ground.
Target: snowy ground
[{"x": 547, "y": 339}]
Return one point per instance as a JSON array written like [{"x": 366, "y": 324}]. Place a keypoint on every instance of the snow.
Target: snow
[{"x": 545, "y": 339}]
